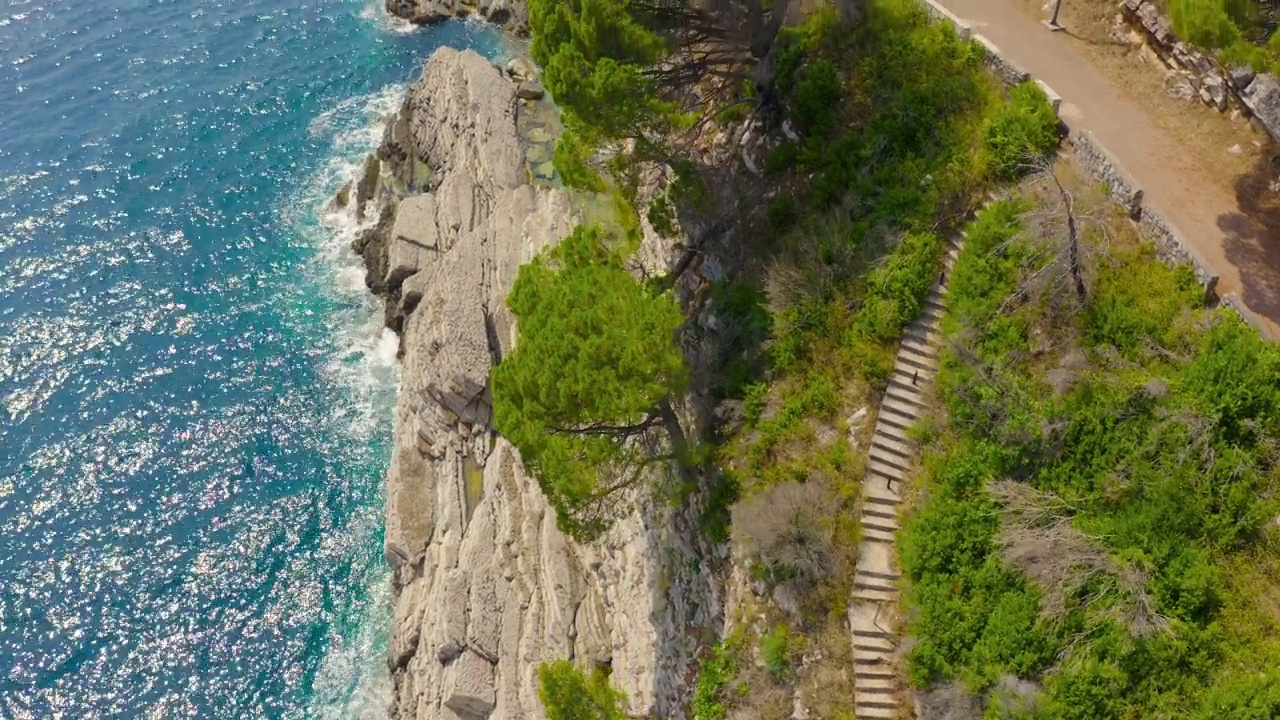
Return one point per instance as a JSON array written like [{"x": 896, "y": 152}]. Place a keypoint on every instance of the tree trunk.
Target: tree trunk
[
  {"x": 679, "y": 443},
  {"x": 1073, "y": 249}
]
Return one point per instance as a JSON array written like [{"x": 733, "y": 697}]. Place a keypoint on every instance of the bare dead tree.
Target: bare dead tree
[
  {"x": 1061, "y": 263},
  {"x": 1037, "y": 537},
  {"x": 782, "y": 529}
]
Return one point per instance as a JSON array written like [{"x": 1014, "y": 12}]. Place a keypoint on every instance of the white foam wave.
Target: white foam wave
[
  {"x": 360, "y": 362},
  {"x": 376, "y": 13}
]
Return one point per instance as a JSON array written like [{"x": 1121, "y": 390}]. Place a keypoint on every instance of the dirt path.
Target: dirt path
[{"x": 1234, "y": 224}]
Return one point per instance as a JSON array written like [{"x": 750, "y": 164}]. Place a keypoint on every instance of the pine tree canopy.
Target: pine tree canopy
[{"x": 589, "y": 378}]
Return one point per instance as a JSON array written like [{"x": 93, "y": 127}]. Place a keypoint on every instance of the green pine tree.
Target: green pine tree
[
  {"x": 590, "y": 380},
  {"x": 596, "y": 57}
]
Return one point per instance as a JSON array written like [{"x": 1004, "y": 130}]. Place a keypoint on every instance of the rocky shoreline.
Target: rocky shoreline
[
  {"x": 511, "y": 14},
  {"x": 486, "y": 588}
]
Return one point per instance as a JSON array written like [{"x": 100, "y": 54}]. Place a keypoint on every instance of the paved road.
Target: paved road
[{"x": 1220, "y": 219}]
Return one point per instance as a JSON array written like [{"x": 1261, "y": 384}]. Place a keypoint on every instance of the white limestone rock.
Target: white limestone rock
[{"x": 486, "y": 587}]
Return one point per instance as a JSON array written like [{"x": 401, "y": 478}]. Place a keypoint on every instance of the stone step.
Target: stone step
[
  {"x": 875, "y": 685},
  {"x": 864, "y": 623},
  {"x": 923, "y": 333},
  {"x": 869, "y": 581},
  {"x": 868, "y": 656},
  {"x": 889, "y": 433},
  {"x": 908, "y": 410},
  {"x": 877, "y": 558},
  {"x": 912, "y": 382},
  {"x": 863, "y": 704},
  {"x": 880, "y": 516},
  {"x": 932, "y": 311},
  {"x": 865, "y": 673},
  {"x": 879, "y": 525},
  {"x": 886, "y": 578},
  {"x": 911, "y": 361},
  {"x": 887, "y": 472},
  {"x": 895, "y": 418},
  {"x": 930, "y": 314},
  {"x": 874, "y": 533},
  {"x": 905, "y": 370},
  {"x": 891, "y": 459},
  {"x": 895, "y": 445},
  {"x": 876, "y": 492},
  {"x": 911, "y": 396},
  {"x": 920, "y": 347},
  {"x": 863, "y": 593},
  {"x": 931, "y": 327},
  {"x": 878, "y": 667},
  {"x": 873, "y": 643},
  {"x": 868, "y": 712},
  {"x": 928, "y": 322}
]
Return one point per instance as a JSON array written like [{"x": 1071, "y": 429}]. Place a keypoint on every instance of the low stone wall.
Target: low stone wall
[
  {"x": 1257, "y": 95},
  {"x": 1100, "y": 164}
]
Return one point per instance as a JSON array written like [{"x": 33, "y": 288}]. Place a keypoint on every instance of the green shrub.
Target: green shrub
[
  {"x": 744, "y": 326},
  {"x": 817, "y": 97},
  {"x": 896, "y": 289},
  {"x": 782, "y": 213},
  {"x": 1204, "y": 22},
  {"x": 781, "y": 159},
  {"x": 1244, "y": 697},
  {"x": 723, "y": 491},
  {"x": 569, "y": 694},
  {"x": 756, "y": 395},
  {"x": 775, "y": 648},
  {"x": 710, "y": 701},
  {"x": 1020, "y": 130},
  {"x": 733, "y": 113},
  {"x": 1236, "y": 381},
  {"x": 1138, "y": 300}
]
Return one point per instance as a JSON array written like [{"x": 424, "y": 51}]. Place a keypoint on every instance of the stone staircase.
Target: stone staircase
[{"x": 874, "y": 602}]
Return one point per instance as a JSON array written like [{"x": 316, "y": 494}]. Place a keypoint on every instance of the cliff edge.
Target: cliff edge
[{"x": 486, "y": 588}]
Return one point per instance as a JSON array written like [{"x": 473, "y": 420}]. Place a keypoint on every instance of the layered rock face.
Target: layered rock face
[
  {"x": 511, "y": 13},
  {"x": 486, "y": 587}
]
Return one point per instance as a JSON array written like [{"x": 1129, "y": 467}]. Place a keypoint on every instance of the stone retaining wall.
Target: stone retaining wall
[
  {"x": 1257, "y": 95},
  {"x": 1100, "y": 164}
]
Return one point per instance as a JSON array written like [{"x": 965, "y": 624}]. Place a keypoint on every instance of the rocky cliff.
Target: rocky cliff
[
  {"x": 511, "y": 13},
  {"x": 486, "y": 587}
]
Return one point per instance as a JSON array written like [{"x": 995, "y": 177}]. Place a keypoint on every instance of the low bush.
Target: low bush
[
  {"x": 711, "y": 700},
  {"x": 817, "y": 97},
  {"x": 1020, "y": 131},
  {"x": 775, "y": 649},
  {"x": 567, "y": 693}
]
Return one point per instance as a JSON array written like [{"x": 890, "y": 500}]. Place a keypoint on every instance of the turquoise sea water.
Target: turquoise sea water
[{"x": 195, "y": 390}]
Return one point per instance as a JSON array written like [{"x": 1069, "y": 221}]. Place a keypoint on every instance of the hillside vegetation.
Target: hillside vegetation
[
  {"x": 1096, "y": 532},
  {"x": 1244, "y": 30}
]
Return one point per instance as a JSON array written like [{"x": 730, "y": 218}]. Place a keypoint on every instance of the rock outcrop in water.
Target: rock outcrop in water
[
  {"x": 486, "y": 587},
  {"x": 511, "y": 13}
]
